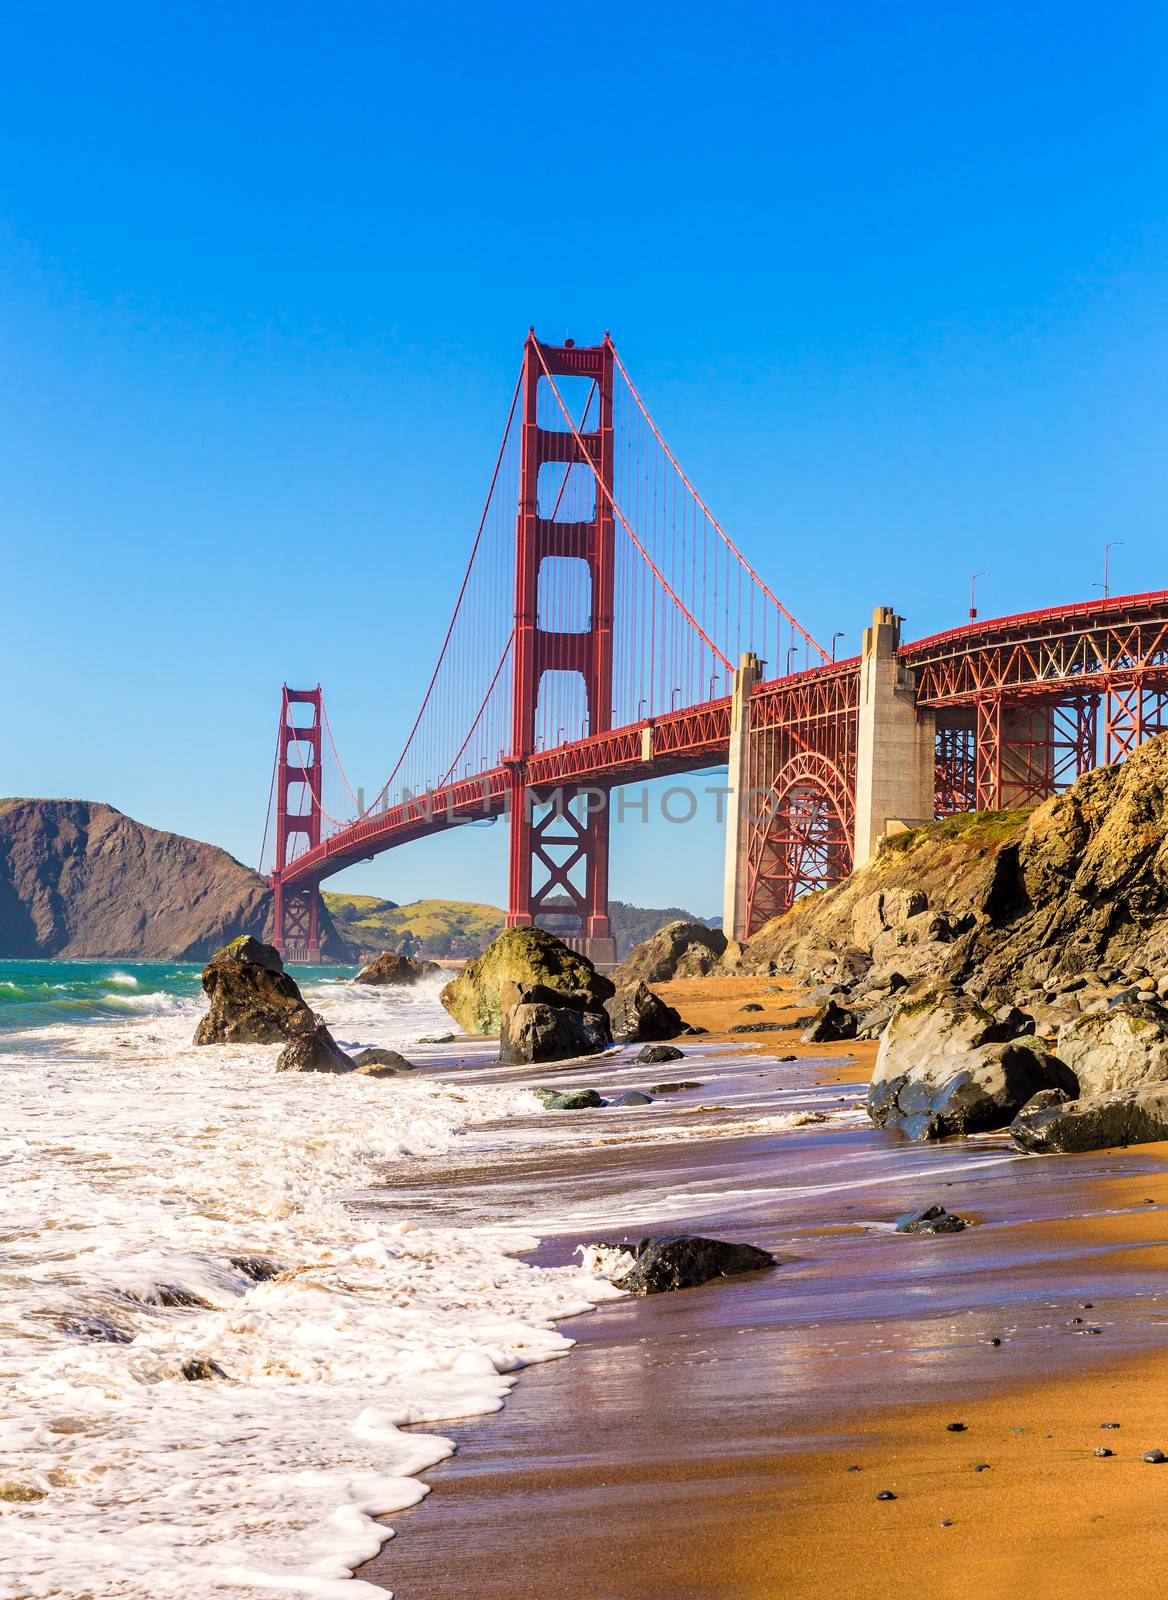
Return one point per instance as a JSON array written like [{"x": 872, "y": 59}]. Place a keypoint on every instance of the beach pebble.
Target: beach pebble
[
  {"x": 955, "y": 1427},
  {"x": 885, "y": 1494},
  {"x": 1155, "y": 1457},
  {"x": 853, "y": 1469},
  {"x": 1109, "y": 1424},
  {"x": 982, "y": 1466},
  {"x": 1102, "y": 1450},
  {"x": 994, "y": 1342}
]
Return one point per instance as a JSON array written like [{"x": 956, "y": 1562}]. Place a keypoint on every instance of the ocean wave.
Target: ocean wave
[{"x": 210, "y": 1352}]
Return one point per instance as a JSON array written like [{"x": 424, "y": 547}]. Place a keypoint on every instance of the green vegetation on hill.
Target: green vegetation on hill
[
  {"x": 424, "y": 927},
  {"x": 460, "y": 928}
]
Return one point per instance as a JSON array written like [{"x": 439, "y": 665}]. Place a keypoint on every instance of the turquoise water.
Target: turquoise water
[{"x": 35, "y": 994}]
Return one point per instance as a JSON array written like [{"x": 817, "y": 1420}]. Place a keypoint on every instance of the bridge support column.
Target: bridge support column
[
  {"x": 736, "y": 878},
  {"x": 296, "y": 908},
  {"x": 894, "y": 742},
  {"x": 563, "y": 836}
]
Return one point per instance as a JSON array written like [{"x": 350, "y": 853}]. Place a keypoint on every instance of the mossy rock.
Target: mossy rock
[{"x": 523, "y": 956}]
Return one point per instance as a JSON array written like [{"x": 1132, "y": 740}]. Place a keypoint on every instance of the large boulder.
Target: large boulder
[
  {"x": 938, "y": 1022},
  {"x": 663, "y": 1263},
  {"x": 524, "y": 956},
  {"x": 253, "y": 1000},
  {"x": 973, "y": 1091},
  {"x": 539, "y": 1032},
  {"x": 1121, "y": 1048},
  {"x": 678, "y": 950},
  {"x": 1096, "y": 1122},
  {"x": 317, "y": 1051},
  {"x": 636, "y": 1014},
  {"x": 390, "y": 969}
]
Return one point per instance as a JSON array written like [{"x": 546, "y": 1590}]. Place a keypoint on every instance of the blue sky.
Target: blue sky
[{"x": 891, "y": 278}]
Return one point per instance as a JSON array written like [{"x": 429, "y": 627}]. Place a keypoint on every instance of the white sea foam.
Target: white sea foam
[{"x": 137, "y": 1168}]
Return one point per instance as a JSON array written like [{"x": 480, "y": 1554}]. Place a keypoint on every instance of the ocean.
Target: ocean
[{"x": 213, "y": 1330}]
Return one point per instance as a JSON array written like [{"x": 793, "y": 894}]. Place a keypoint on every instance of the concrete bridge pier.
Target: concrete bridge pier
[
  {"x": 736, "y": 876},
  {"x": 895, "y": 742}
]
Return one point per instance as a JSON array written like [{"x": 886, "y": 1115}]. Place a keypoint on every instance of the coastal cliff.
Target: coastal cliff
[
  {"x": 1001, "y": 899},
  {"x": 79, "y": 879}
]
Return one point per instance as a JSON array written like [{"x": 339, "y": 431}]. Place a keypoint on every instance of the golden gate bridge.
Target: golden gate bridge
[{"x": 607, "y": 630}]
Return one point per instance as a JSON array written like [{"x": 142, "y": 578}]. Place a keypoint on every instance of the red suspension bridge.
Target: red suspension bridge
[{"x": 607, "y": 630}]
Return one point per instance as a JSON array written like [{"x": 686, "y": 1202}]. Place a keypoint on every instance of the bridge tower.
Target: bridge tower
[
  {"x": 561, "y": 837},
  {"x": 298, "y": 800}
]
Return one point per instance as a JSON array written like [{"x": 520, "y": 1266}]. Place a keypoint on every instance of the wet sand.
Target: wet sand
[{"x": 696, "y": 1446}]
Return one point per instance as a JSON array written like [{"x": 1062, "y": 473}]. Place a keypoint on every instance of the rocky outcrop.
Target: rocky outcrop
[
  {"x": 662, "y": 1264},
  {"x": 253, "y": 1000},
  {"x": 390, "y": 969},
  {"x": 636, "y": 1014},
  {"x": 525, "y": 957},
  {"x": 1002, "y": 902},
  {"x": 1096, "y": 1122},
  {"x": 679, "y": 950},
  {"x": 1121, "y": 1047},
  {"x": 317, "y": 1051},
  {"x": 80, "y": 880},
  {"x": 540, "y": 1032}
]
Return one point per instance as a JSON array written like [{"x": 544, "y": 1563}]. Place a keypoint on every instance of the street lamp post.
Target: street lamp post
[
  {"x": 840, "y": 635},
  {"x": 973, "y": 594}
]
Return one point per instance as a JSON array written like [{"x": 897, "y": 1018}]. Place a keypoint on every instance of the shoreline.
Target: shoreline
[{"x": 691, "y": 1446}]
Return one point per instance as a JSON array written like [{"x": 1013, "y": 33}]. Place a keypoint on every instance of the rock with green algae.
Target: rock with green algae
[
  {"x": 1122, "y": 1048},
  {"x": 253, "y": 1000},
  {"x": 525, "y": 957}
]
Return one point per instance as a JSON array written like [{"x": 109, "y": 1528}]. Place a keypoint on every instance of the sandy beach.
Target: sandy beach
[{"x": 732, "y": 1440}]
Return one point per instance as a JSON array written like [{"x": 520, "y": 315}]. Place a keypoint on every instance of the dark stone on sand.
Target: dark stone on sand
[
  {"x": 885, "y": 1494},
  {"x": 253, "y": 1000},
  {"x": 632, "y": 1097},
  {"x": 635, "y": 1014},
  {"x": 317, "y": 1051},
  {"x": 1094, "y": 1122},
  {"x": 436, "y": 1038},
  {"x": 955, "y": 1427},
  {"x": 1102, "y": 1450},
  {"x": 1154, "y": 1458},
  {"x": 664, "y": 1263},
  {"x": 763, "y": 1027},
  {"x": 569, "y": 1099},
  {"x": 675, "y": 1088},
  {"x": 933, "y": 1219},
  {"x": 830, "y": 1023},
  {"x": 751, "y": 1005},
  {"x": 378, "y": 1063},
  {"x": 654, "y": 1054}
]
